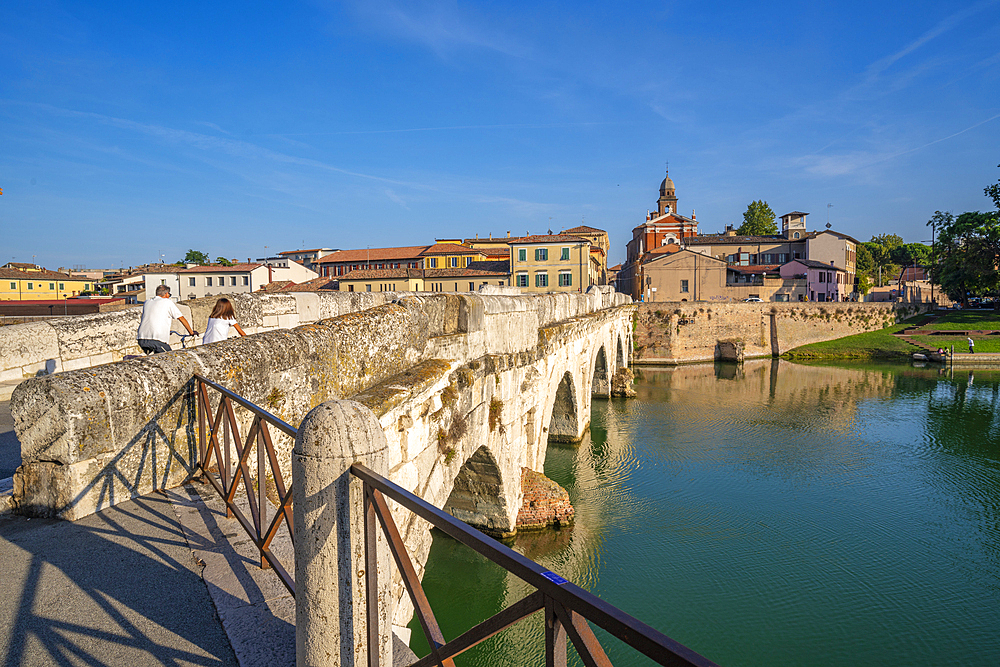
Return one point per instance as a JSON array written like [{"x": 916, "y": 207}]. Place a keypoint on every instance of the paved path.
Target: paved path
[{"x": 117, "y": 588}]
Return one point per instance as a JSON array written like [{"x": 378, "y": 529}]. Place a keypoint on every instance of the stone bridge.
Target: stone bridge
[{"x": 467, "y": 389}]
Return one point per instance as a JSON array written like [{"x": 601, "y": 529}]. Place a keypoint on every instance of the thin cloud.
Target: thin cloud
[
  {"x": 439, "y": 27},
  {"x": 393, "y": 197},
  {"x": 204, "y": 142},
  {"x": 847, "y": 163},
  {"x": 881, "y": 65},
  {"x": 445, "y": 128}
]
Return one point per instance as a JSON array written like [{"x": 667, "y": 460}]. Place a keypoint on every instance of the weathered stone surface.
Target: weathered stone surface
[
  {"x": 621, "y": 383},
  {"x": 330, "y": 566},
  {"x": 26, "y": 344},
  {"x": 670, "y": 333},
  {"x": 545, "y": 502},
  {"x": 730, "y": 350}
]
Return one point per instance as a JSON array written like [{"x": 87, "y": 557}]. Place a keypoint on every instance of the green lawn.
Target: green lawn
[
  {"x": 879, "y": 344},
  {"x": 968, "y": 319},
  {"x": 988, "y": 343}
]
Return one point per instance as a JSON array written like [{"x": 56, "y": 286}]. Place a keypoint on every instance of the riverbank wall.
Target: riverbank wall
[{"x": 676, "y": 333}]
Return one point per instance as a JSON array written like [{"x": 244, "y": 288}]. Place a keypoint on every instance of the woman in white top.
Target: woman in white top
[{"x": 223, "y": 316}]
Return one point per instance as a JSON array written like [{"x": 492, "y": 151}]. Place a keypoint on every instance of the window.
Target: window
[
  {"x": 13, "y": 285},
  {"x": 684, "y": 286},
  {"x": 350, "y": 288},
  {"x": 565, "y": 254},
  {"x": 52, "y": 286},
  {"x": 191, "y": 282},
  {"x": 86, "y": 286},
  {"x": 30, "y": 286},
  {"x": 565, "y": 279},
  {"x": 368, "y": 288},
  {"x": 522, "y": 254},
  {"x": 62, "y": 286},
  {"x": 163, "y": 281},
  {"x": 472, "y": 287},
  {"x": 246, "y": 280},
  {"x": 795, "y": 235},
  {"x": 454, "y": 262},
  {"x": 541, "y": 279},
  {"x": 522, "y": 280},
  {"x": 432, "y": 262},
  {"x": 541, "y": 254},
  {"x": 208, "y": 281},
  {"x": 232, "y": 280}
]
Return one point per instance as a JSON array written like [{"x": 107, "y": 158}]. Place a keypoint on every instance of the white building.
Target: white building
[{"x": 194, "y": 282}]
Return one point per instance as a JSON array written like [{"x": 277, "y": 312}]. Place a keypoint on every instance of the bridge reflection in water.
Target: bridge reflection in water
[{"x": 778, "y": 514}]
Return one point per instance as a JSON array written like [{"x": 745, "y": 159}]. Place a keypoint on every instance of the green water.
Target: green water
[{"x": 781, "y": 514}]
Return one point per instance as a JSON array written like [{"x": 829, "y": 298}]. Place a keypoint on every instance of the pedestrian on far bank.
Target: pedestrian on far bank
[
  {"x": 972, "y": 346},
  {"x": 222, "y": 318},
  {"x": 154, "y": 327}
]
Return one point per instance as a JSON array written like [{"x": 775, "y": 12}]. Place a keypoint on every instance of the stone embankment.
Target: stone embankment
[
  {"x": 545, "y": 502},
  {"x": 673, "y": 333}
]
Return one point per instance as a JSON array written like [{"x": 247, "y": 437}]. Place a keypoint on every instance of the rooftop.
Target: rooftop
[
  {"x": 374, "y": 254},
  {"x": 548, "y": 238}
]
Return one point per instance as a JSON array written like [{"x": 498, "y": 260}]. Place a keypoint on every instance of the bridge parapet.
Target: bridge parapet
[{"x": 97, "y": 436}]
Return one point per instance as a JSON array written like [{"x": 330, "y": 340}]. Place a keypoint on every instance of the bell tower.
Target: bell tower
[{"x": 667, "y": 203}]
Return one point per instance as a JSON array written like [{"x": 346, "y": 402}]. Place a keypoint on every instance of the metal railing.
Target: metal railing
[
  {"x": 258, "y": 437},
  {"x": 568, "y": 609}
]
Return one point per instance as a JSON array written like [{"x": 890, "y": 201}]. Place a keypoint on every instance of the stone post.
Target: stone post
[{"x": 330, "y": 609}]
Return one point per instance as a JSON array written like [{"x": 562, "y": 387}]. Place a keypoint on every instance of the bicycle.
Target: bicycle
[{"x": 184, "y": 343}]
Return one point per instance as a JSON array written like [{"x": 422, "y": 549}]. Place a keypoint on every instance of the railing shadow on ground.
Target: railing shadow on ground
[{"x": 116, "y": 587}]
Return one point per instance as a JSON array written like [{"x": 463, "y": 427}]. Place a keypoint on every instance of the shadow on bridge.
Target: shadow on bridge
[{"x": 118, "y": 587}]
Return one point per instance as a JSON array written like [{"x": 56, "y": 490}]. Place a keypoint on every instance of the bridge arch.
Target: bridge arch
[
  {"x": 601, "y": 377},
  {"x": 564, "y": 423},
  {"x": 620, "y": 354},
  {"x": 478, "y": 496}
]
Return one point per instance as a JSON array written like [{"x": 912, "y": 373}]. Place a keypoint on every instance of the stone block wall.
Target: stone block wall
[
  {"x": 95, "y": 436},
  {"x": 670, "y": 333},
  {"x": 41, "y": 348}
]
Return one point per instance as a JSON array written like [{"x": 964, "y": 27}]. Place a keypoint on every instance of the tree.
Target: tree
[
  {"x": 222, "y": 261},
  {"x": 196, "y": 257},
  {"x": 966, "y": 254},
  {"x": 883, "y": 270},
  {"x": 911, "y": 254},
  {"x": 888, "y": 241},
  {"x": 865, "y": 284},
  {"x": 993, "y": 192},
  {"x": 863, "y": 262},
  {"x": 758, "y": 220}
]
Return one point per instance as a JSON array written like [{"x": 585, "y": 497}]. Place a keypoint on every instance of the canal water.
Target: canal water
[{"x": 774, "y": 514}]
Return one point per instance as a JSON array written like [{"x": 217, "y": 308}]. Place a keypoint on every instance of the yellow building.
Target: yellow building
[
  {"x": 382, "y": 280},
  {"x": 551, "y": 263},
  {"x": 38, "y": 284},
  {"x": 598, "y": 241},
  {"x": 450, "y": 254}
]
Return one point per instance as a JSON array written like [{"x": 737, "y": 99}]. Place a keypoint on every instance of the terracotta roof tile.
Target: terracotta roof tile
[
  {"x": 374, "y": 254},
  {"x": 548, "y": 238}
]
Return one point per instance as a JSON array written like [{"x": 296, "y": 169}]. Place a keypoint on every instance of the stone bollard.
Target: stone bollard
[{"x": 330, "y": 609}]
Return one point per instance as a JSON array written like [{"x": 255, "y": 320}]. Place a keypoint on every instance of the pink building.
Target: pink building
[{"x": 824, "y": 282}]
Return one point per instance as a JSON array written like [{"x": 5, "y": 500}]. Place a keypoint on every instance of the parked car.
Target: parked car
[{"x": 753, "y": 299}]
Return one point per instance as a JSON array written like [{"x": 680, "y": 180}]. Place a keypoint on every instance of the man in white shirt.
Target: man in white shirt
[{"x": 154, "y": 328}]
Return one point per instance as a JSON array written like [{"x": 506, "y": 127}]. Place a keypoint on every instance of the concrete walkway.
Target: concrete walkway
[{"x": 120, "y": 587}]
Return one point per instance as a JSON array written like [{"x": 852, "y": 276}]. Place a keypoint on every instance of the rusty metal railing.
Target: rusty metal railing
[
  {"x": 261, "y": 528},
  {"x": 568, "y": 609}
]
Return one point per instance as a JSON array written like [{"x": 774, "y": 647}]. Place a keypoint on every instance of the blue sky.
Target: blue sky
[{"x": 134, "y": 130}]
